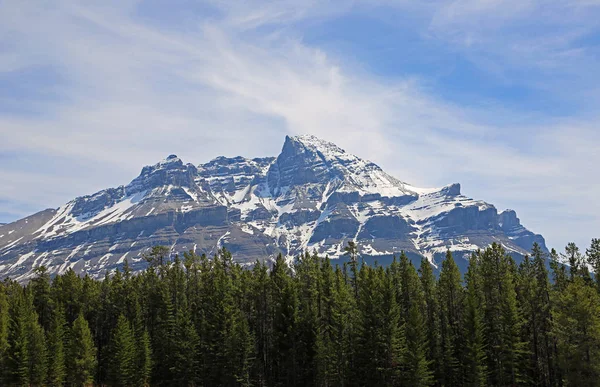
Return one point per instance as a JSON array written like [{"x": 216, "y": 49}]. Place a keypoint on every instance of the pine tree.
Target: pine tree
[
  {"x": 593, "y": 259},
  {"x": 184, "y": 366},
  {"x": 344, "y": 316},
  {"x": 81, "y": 359},
  {"x": 380, "y": 340},
  {"x": 207, "y": 321},
  {"x": 351, "y": 250},
  {"x": 143, "y": 360},
  {"x": 575, "y": 259},
  {"x": 27, "y": 353},
  {"x": 559, "y": 273},
  {"x": 122, "y": 359},
  {"x": 4, "y": 335},
  {"x": 56, "y": 349},
  {"x": 18, "y": 340},
  {"x": 143, "y": 351},
  {"x": 67, "y": 290},
  {"x": 308, "y": 339},
  {"x": 432, "y": 318},
  {"x": 474, "y": 367},
  {"x": 417, "y": 371},
  {"x": 261, "y": 322},
  {"x": 40, "y": 288},
  {"x": 501, "y": 320},
  {"x": 37, "y": 350},
  {"x": 158, "y": 257},
  {"x": 577, "y": 328},
  {"x": 533, "y": 290},
  {"x": 416, "y": 367},
  {"x": 325, "y": 347},
  {"x": 451, "y": 296},
  {"x": 164, "y": 327},
  {"x": 285, "y": 319}
]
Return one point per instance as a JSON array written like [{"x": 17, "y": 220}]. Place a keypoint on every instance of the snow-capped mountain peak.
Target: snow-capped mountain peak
[{"x": 313, "y": 196}]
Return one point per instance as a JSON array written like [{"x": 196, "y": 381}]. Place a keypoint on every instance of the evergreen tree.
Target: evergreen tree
[
  {"x": 474, "y": 367},
  {"x": 575, "y": 259},
  {"x": 56, "y": 349},
  {"x": 261, "y": 322},
  {"x": 504, "y": 348},
  {"x": 285, "y": 318},
  {"x": 122, "y": 349},
  {"x": 4, "y": 335},
  {"x": 577, "y": 328},
  {"x": 143, "y": 351},
  {"x": 337, "y": 329},
  {"x": 593, "y": 259},
  {"x": 351, "y": 250},
  {"x": 559, "y": 272},
  {"x": 432, "y": 318},
  {"x": 66, "y": 291},
  {"x": 37, "y": 351},
  {"x": 533, "y": 289},
  {"x": 380, "y": 339},
  {"x": 184, "y": 366},
  {"x": 158, "y": 256},
  {"x": 417, "y": 371},
  {"x": 27, "y": 353},
  {"x": 143, "y": 360},
  {"x": 207, "y": 322},
  {"x": 40, "y": 288},
  {"x": 164, "y": 327},
  {"x": 17, "y": 368},
  {"x": 81, "y": 358},
  {"x": 308, "y": 339},
  {"x": 451, "y": 297}
]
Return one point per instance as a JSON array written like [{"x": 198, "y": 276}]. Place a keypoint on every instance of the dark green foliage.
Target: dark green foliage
[
  {"x": 593, "y": 259},
  {"x": 26, "y": 360},
  {"x": 284, "y": 304},
  {"x": 474, "y": 361},
  {"x": 81, "y": 357},
  {"x": 122, "y": 355},
  {"x": 577, "y": 329},
  {"x": 451, "y": 299},
  {"x": 209, "y": 322},
  {"x": 56, "y": 349},
  {"x": 432, "y": 319},
  {"x": 533, "y": 290},
  {"x": 379, "y": 336},
  {"x": 351, "y": 250},
  {"x": 4, "y": 335},
  {"x": 416, "y": 367},
  {"x": 504, "y": 348},
  {"x": 143, "y": 364}
]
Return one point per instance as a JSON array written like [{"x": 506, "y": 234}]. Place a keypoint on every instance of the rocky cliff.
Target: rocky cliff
[{"x": 313, "y": 196}]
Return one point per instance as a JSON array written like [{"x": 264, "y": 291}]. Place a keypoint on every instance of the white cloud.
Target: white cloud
[{"x": 132, "y": 92}]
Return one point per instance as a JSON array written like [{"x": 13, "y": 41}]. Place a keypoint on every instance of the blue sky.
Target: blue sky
[{"x": 501, "y": 96}]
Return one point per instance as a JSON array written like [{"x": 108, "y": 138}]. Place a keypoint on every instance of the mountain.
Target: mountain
[{"x": 313, "y": 196}]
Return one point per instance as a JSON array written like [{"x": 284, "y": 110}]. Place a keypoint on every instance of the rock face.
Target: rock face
[{"x": 312, "y": 197}]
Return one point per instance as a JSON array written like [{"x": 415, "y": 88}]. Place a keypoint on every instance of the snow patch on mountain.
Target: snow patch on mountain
[{"x": 313, "y": 196}]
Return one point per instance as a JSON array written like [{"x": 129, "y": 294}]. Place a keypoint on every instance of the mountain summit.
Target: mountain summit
[{"x": 313, "y": 196}]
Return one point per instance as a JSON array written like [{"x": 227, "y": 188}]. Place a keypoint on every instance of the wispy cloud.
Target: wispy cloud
[{"x": 123, "y": 90}]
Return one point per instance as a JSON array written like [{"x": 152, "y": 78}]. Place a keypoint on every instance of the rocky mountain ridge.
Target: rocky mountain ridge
[{"x": 313, "y": 196}]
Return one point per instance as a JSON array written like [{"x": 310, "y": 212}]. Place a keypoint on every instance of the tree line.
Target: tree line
[{"x": 195, "y": 321}]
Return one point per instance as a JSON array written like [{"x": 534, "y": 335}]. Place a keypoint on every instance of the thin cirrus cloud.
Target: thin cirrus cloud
[{"x": 92, "y": 92}]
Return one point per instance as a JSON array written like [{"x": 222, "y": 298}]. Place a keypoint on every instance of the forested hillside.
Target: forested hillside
[{"x": 197, "y": 321}]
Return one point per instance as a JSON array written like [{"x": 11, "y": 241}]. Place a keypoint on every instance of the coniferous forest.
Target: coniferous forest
[{"x": 195, "y": 321}]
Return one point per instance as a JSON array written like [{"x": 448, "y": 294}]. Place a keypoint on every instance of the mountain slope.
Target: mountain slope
[{"x": 312, "y": 196}]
